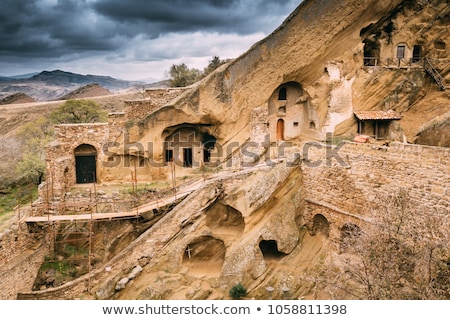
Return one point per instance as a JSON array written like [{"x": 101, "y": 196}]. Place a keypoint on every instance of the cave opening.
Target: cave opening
[{"x": 269, "y": 249}]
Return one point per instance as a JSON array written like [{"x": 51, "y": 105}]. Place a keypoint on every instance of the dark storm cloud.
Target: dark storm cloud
[
  {"x": 43, "y": 28},
  {"x": 53, "y": 28},
  {"x": 159, "y": 17},
  {"x": 38, "y": 34}
]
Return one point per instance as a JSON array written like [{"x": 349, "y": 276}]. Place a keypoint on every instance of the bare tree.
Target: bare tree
[{"x": 404, "y": 253}]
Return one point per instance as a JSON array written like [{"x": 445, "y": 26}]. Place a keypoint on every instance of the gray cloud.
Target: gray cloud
[{"x": 65, "y": 29}]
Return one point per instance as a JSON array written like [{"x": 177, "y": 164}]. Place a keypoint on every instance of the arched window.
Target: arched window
[
  {"x": 282, "y": 94},
  {"x": 401, "y": 51}
]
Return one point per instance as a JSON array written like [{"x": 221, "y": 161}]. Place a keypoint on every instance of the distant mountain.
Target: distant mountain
[
  {"x": 23, "y": 76},
  {"x": 51, "y": 85},
  {"x": 58, "y": 77},
  {"x": 18, "y": 76},
  {"x": 159, "y": 84},
  {"x": 87, "y": 91},
  {"x": 16, "y": 98},
  {"x": 5, "y": 78}
]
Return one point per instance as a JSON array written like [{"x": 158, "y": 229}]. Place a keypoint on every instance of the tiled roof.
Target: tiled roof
[{"x": 377, "y": 115}]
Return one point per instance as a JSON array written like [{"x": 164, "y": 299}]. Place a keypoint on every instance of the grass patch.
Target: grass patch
[
  {"x": 10, "y": 198},
  {"x": 13, "y": 196}
]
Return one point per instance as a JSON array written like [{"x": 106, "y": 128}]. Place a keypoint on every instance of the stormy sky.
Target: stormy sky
[{"x": 130, "y": 39}]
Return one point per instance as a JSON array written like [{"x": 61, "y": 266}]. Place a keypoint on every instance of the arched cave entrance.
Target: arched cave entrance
[
  {"x": 372, "y": 46},
  {"x": 350, "y": 233},
  {"x": 225, "y": 219},
  {"x": 85, "y": 163},
  {"x": 280, "y": 129},
  {"x": 320, "y": 225},
  {"x": 205, "y": 255},
  {"x": 188, "y": 145},
  {"x": 269, "y": 249}
]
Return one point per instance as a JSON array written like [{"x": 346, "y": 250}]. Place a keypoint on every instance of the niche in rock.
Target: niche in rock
[
  {"x": 225, "y": 219},
  {"x": 205, "y": 255}
]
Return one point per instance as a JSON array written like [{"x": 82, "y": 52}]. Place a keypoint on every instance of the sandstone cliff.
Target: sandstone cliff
[{"x": 282, "y": 223}]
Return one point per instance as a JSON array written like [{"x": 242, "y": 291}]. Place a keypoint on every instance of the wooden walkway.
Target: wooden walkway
[
  {"x": 136, "y": 212},
  {"x": 117, "y": 215}
]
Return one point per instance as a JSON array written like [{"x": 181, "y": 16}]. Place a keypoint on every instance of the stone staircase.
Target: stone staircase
[{"x": 434, "y": 73}]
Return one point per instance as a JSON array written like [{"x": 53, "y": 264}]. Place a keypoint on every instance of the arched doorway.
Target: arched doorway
[
  {"x": 280, "y": 129},
  {"x": 321, "y": 225},
  {"x": 85, "y": 163}
]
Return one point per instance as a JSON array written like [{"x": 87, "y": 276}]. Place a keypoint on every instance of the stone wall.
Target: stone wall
[
  {"x": 339, "y": 182},
  {"x": 138, "y": 109},
  {"x": 350, "y": 179},
  {"x": 20, "y": 254},
  {"x": 60, "y": 158}
]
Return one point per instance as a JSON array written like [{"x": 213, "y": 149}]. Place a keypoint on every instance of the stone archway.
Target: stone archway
[
  {"x": 320, "y": 225},
  {"x": 85, "y": 163}
]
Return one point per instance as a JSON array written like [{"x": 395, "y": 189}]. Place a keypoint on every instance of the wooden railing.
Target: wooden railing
[
  {"x": 392, "y": 62},
  {"x": 425, "y": 63},
  {"x": 431, "y": 70}
]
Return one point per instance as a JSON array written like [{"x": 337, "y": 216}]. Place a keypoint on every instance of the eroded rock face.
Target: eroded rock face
[
  {"x": 436, "y": 133},
  {"x": 292, "y": 86},
  {"x": 223, "y": 242}
]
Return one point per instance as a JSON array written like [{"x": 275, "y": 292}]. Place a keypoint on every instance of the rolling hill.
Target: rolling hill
[{"x": 52, "y": 85}]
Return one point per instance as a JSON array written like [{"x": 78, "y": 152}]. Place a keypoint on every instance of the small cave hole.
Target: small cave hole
[{"x": 269, "y": 249}]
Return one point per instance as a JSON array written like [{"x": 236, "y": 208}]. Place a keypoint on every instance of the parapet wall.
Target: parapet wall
[{"x": 352, "y": 178}]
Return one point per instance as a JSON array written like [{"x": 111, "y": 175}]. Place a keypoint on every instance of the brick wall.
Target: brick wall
[{"x": 349, "y": 179}]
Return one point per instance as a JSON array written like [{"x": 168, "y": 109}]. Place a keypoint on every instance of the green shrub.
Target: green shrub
[{"x": 238, "y": 291}]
